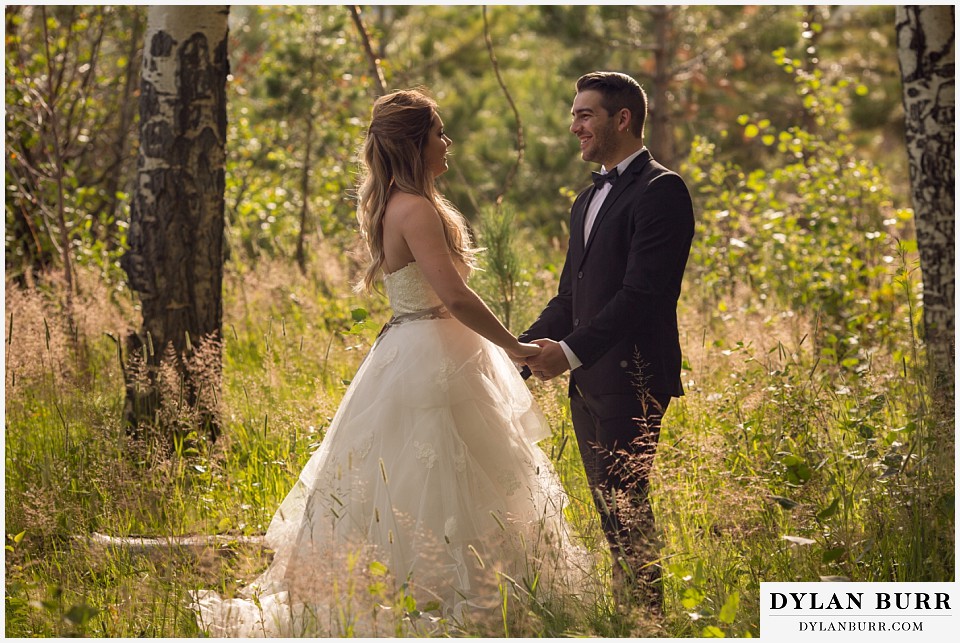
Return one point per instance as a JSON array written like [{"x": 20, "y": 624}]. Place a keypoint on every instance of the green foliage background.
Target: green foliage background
[{"x": 807, "y": 445}]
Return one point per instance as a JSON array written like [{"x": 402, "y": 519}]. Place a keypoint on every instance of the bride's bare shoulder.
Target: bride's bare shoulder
[{"x": 404, "y": 206}]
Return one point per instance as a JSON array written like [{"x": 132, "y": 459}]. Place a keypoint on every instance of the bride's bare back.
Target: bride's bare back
[
  {"x": 413, "y": 231},
  {"x": 396, "y": 251}
]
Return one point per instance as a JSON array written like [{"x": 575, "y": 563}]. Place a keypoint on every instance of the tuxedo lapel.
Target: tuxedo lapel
[
  {"x": 618, "y": 188},
  {"x": 578, "y": 219},
  {"x": 629, "y": 177}
]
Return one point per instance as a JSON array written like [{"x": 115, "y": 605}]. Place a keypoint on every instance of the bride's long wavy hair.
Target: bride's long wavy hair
[{"x": 393, "y": 157}]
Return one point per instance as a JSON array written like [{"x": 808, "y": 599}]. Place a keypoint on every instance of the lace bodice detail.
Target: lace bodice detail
[{"x": 408, "y": 290}]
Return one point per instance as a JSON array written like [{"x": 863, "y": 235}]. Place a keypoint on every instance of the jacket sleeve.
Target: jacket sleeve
[{"x": 660, "y": 243}]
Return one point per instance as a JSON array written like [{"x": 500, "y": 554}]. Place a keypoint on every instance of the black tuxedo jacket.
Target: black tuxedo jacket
[{"x": 616, "y": 305}]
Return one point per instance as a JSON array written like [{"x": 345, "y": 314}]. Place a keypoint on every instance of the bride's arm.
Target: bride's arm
[{"x": 422, "y": 230}]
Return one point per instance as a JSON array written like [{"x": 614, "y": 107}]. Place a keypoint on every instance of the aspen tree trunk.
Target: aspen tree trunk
[
  {"x": 176, "y": 246},
  {"x": 925, "y": 38}
]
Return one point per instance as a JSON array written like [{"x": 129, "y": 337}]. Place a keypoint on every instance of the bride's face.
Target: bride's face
[{"x": 435, "y": 149}]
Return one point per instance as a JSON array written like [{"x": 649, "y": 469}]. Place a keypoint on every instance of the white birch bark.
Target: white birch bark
[
  {"x": 175, "y": 256},
  {"x": 925, "y": 37}
]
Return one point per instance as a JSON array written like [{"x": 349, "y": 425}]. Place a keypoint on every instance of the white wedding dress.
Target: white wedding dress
[{"x": 428, "y": 484}]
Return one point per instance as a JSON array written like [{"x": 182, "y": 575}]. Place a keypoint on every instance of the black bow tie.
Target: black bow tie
[{"x": 600, "y": 179}]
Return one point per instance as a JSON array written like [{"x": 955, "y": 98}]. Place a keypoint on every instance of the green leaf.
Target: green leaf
[
  {"x": 81, "y": 614},
  {"x": 791, "y": 460},
  {"x": 889, "y": 472},
  {"x": 829, "y": 510},
  {"x": 729, "y": 610},
  {"x": 800, "y": 474},
  {"x": 691, "y": 598},
  {"x": 359, "y": 314},
  {"x": 947, "y": 504},
  {"x": 713, "y": 632},
  {"x": 679, "y": 570},
  {"x": 378, "y": 569},
  {"x": 786, "y": 503},
  {"x": 409, "y": 603},
  {"x": 833, "y": 554}
]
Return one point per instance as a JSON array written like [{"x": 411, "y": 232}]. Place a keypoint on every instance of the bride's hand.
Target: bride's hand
[{"x": 522, "y": 351}]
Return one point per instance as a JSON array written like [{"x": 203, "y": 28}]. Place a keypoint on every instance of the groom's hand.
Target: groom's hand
[{"x": 551, "y": 361}]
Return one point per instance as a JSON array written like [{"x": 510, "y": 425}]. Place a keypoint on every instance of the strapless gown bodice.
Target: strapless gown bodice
[{"x": 409, "y": 291}]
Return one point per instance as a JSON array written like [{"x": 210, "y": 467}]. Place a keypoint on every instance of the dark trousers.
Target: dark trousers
[{"x": 617, "y": 436}]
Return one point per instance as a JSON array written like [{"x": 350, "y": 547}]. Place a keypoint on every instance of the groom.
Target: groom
[{"x": 613, "y": 322}]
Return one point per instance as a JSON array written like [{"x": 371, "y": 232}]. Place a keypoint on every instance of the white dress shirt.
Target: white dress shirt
[{"x": 599, "y": 196}]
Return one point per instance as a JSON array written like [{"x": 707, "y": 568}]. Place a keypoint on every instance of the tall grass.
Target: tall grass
[{"x": 778, "y": 464}]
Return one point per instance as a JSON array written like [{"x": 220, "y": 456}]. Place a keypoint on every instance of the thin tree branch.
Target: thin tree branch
[
  {"x": 58, "y": 167},
  {"x": 55, "y": 88},
  {"x": 467, "y": 186},
  {"x": 120, "y": 145},
  {"x": 371, "y": 57},
  {"x": 516, "y": 114},
  {"x": 307, "y": 149}
]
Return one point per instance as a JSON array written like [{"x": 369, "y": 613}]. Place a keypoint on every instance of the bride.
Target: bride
[{"x": 428, "y": 485}]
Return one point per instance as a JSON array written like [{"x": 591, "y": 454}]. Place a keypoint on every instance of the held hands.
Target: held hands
[
  {"x": 550, "y": 362},
  {"x": 521, "y": 352}
]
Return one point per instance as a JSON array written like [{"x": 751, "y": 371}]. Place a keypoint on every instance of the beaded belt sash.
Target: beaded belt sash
[{"x": 437, "y": 312}]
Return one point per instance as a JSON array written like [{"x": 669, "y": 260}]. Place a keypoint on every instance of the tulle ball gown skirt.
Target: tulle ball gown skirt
[{"x": 428, "y": 492}]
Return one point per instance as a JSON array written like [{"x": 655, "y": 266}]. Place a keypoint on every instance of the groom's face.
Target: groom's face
[{"x": 595, "y": 128}]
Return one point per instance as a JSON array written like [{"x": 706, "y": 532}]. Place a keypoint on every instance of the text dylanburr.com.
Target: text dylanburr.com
[{"x": 858, "y": 611}]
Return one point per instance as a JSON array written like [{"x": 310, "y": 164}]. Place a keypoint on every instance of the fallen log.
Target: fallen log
[{"x": 143, "y": 545}]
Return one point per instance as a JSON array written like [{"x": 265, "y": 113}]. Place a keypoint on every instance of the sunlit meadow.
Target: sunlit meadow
[{"x": 776, "y": 465}]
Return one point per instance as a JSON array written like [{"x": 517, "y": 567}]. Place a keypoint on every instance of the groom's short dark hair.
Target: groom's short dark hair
[{"x": 618, "y": 91}]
